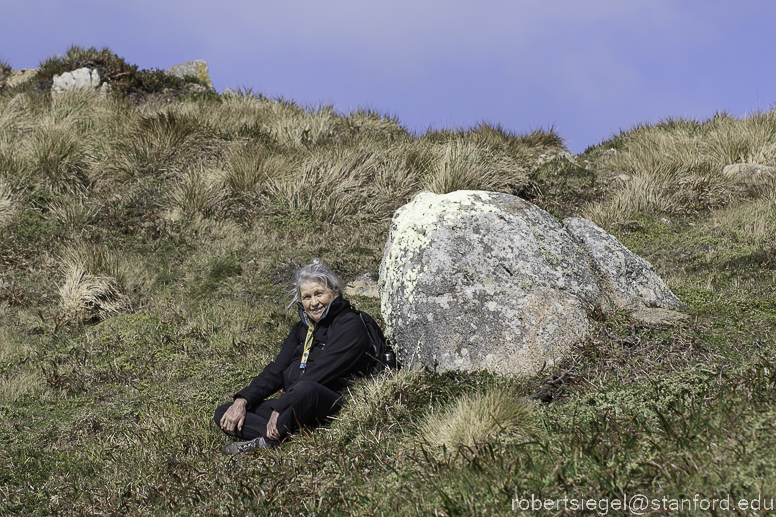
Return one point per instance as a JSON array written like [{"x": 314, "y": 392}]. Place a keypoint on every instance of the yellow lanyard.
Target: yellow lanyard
[{"x": 308, "y": 343}]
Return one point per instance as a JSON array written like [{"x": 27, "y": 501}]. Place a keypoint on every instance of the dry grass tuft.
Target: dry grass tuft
[
  {"x": 297, "y": 128},
  {"x": 376, "y": 404},
  {"x": 74, "y": 212},
  {"x": 333, "y": 183},
  {"x": 195, "y": 192},
  {"x": 156, "y": 144},
  {"x": 59, "y": 158},
  {"x": 478, "y": 418},
  {"x": 7, "y": 209},
  {"x": 462, "y": 165},
  {"x": 127, "y": 270},
  {"x": 19, "y": 384},
  {"x": 91, "y": 299},
  {"x": 752, "y": 223},
  {"x": 251, "y": 166}
]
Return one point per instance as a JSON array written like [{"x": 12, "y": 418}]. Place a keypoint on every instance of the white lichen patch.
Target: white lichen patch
[{"x": 410, "y": 231}]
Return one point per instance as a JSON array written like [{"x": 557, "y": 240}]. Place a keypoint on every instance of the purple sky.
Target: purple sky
[{"x": 589, "y": 68}]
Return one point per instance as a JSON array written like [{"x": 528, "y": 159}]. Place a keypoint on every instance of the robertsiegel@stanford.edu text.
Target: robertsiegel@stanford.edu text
[{"x": 639, "y": 504}]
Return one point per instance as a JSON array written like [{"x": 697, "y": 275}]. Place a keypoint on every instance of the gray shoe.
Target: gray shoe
[{"x": 234, "y": 448}]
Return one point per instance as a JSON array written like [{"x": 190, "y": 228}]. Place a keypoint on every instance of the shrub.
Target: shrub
[{"x": 122, "y": 76}]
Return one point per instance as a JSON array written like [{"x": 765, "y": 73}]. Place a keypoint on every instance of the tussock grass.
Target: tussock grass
[
  {"x": 252, "y": 166},
  {"x": 475, "y": 420},
  {"x": 127, "y": 270},
  {"x": 59, "y": 158},
  {"x": 156, "y": 144},
  {"x": 676, "y": 165},
  {"x": 6, "y": 203},
  {"x": 194, "y": 192},
  {"x": 73, "y": 212},
  {"x": 751, "y": 223},
  {"x": 89, "y": 298},
  {"x": 462, "y": 165},
  {"x": 376, "y": 406},
  {"x": 24, "y": 384},
  {"x": 344, "y": 182}
]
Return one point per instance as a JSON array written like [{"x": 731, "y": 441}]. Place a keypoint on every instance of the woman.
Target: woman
[{"x": 324, "y": 349}]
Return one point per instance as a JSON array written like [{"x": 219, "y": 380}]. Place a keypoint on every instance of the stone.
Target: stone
[
  {"x": 750, "y": 174},
  {"x": 364, "y": 285},
  {"x": 104, "y": 90},
  {"x": 563, "y": 155},
  {"x": 626, "y": 280},
  {"x": 228, "y": 92},
  {"x": 477, "y": 280},
  {"x": 198, "y": 69},
  {"x": 82, "y": 78}
]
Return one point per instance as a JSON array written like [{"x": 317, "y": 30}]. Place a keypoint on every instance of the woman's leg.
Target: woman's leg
[
  {"x": 256, "y": 419},
  {"x": 309, "y": 403}
]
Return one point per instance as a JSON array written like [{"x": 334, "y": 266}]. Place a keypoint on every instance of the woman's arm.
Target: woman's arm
[{"x": 270, "y": 379}]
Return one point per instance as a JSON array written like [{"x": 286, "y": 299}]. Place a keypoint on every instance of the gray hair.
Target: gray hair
[{"x": 316, "y": 272}]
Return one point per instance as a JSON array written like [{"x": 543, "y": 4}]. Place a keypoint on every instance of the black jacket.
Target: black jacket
[{"x": 339, "y": 351}]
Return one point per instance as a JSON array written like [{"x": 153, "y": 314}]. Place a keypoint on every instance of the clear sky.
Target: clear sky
[{"x": 588, "y": 68}]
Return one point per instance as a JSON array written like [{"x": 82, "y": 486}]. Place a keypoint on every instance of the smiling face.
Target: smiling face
[{"x": 315, "y": 298}]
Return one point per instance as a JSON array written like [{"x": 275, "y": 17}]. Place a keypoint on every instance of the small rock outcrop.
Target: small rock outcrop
[
  {"x": 83, "y": 78},
  {"x": 364, "y": 285},
  {"x": 477, "y": 280},
  {"x": 198, "y": 69},
  {"x": 749, "y": 174}
]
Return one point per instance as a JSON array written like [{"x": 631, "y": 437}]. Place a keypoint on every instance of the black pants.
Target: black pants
[{"x": 311, "y": 403}]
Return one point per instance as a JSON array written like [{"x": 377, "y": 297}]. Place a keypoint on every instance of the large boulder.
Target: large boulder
[{"x": 479, "y": 280}]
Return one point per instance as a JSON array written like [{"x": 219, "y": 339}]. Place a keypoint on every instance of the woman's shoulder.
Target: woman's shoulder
[
  {"x": 347, "y": 314},
  {"x": 348, "y": 317}
]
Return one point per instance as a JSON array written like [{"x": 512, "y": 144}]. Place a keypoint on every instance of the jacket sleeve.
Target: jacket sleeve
[
  {"x": 345, "y": 352},
  {"x": 270, "y": 379}
]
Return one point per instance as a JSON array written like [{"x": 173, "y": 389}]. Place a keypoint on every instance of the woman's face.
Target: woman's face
[{"x": 315, "y": 298}]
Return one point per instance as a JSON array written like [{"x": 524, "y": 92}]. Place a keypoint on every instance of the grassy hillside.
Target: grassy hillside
[{"x": 191, "y": 210}]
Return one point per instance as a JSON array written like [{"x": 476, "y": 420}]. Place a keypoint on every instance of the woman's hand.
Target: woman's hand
[
  {"x": 272, "y": 426},
  {"x": 234, "y": 416}
]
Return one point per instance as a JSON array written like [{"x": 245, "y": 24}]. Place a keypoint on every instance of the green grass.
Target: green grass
[{"x": 200, "y": 210}]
